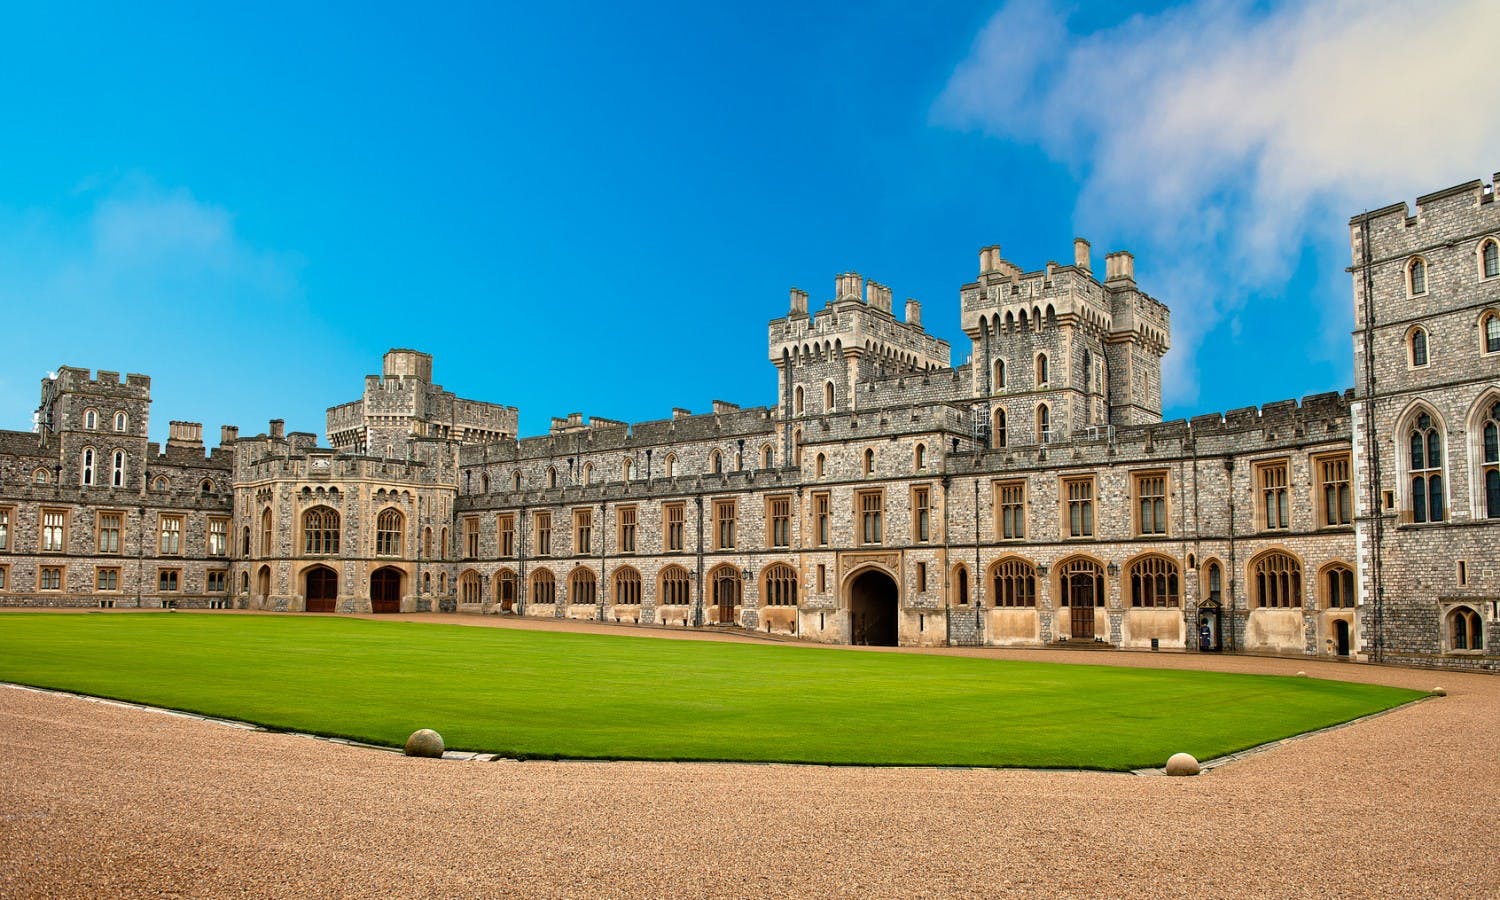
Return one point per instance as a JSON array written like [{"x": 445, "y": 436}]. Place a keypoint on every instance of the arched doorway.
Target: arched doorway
[
  {"x": 385, "y": 590},
  {"x": 727, "y": 588},
  {"x": 1341, "y": 636},
  {"x": 322, "y": 585},
  {"x": 1082, "y": 591},
  {"x": 872, "y": 609}
]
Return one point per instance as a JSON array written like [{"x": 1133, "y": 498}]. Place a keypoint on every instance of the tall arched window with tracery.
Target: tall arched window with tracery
[
  {"x": 1015, "y": 583},
  {"x": 320, "y": 531},
  {"x": 266, "y": 548},
  {"x": 1278, "y": 580},
  {"x": 1465, "y": 629},
  {"x": 88, "y": 467},
  {"x": 388, "y": 527},
  {"x": 627, "y": 587},
  {"x": 1154, "y": 582},
  {"x": 1416, "y": 277},
  {"x": 1489, "y": 332},
  {"x": 118, "y": 478},
  {"x": 1043, "y": 423},
  {"x": 999, "y": 375},
  {"x": 997, "y": 430},
  {"x": 781, "y": 585},
  {"x": 1489, "y": 473},
  {"x": 1489, "y": 258},
  {"x": 1042, "y": 374},
  {"x": 1425, "y": 443},
  {"x": 1416, "y": 345},
  {"x": 1338, "y": 587}
]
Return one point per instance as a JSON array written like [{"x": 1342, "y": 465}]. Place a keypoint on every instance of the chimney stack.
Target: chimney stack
[
  {"x": 1081, "y": 255},
  {"x": 185, "y": 434},
  {"x": 989, "y": 259},
  {"x": 278, "y": 429},
  {"x": 913, "y": 313},
  {"x": 878, "y": 296},
  {"x": 799, "y": 302},
  {"x": 1120, "y": 264},
  {"x": 228, "y": 434},
  {"x": 848, "y": 286}
]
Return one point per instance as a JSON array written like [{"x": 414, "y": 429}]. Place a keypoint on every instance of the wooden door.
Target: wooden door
[
  {"x": 1081, "y": 599},
  {"x": 322, "y": 589},
  {"x": 385, "y": 591}
]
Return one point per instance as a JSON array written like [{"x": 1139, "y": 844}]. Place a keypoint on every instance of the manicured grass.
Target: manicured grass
[{"x": 544, "y": 694}]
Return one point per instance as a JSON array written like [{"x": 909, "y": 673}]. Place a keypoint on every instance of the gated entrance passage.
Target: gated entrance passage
[
  {"x": 322, "y": 588},
  {"x": 385, "y": 590},
  {"x": 872, "y": 609}
]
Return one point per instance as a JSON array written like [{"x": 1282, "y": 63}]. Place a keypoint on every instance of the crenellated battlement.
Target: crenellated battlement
[{"x": 1453, "y": 214}]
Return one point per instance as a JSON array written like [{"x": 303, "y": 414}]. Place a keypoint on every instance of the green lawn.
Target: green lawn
[{"x": 558, "y": 695}]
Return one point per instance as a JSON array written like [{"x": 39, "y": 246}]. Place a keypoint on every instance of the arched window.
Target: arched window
[
  {"x": 551, "y": 477},
  {"x": 470, "y": 587},
  {"x": 90, "y": 419},
  {"x": 1465, "y": 629},
  {"x": 669, "y": 468},
  {"x": 998, "y": 437},
  {"x": 515, "y": 480},
  {"x": 1338, "y": 587},
  {"x": 205, "y": 487},
  {"x": 1489, "y": 474},
  {"x": 818, "y": 465},
  {"x": 999, "y": 375},
  {"x": 625, "y": 466},
  {"x": 716, "y": 463},
  {"x": 627, "y": 587},
  {"x": 1426, "y": 444},
  {"x": 118, "y": 478},
  {"x": 87, "y": 476},
  {"x": 388, "y": 527},
  {"x": 39, "y": 476},
  {"x": 961, "y": 585},
  {"x": 427, "y": 543},
  {"x": 797, "y": 401},
  {"x": 1043, "y": 423},
  {"x": 1215, "y": 578},
  {"x": 1154, "y": 582},
  {"x": 1088, "y": 370},
  {"x": 484, "y": 482},
  {"x": 1042, "y": 375},
  {"x": 506, "y": 588},
  {"x": 1489, "y": 331},
  {"x": 121, "y": 421},
  {"x": 869, "y": 465},
  {"x": 1489, "y": 258},
  {"x": 781, "y": 585},
  {"x": 245, "y": 581},
  {"x": 320, "y": 531},
  {"x": 442, "y": 547},
  {"x": 245, "y": 543},
  {"x": 676, "y": 589},
  {"x": 263, "y": 581},
  {"x": 1015, "y": 583},
  {"x": 767, "y": 458},
  {"x": 160, "y": 484},
  {"x": 588, "y": 474},
  {"x": 543, "y": 587},
  {"x": 1416, "y": 277},
  {"x": 1278, "y": 580},
  {"x": 583, "y": 587},
  {"x": 1416, "y": 343},
  {"x": 920, "y": 456},
  {"x": 442, "y": 583},
  {"x": 828, "y": 396},
  {"x": 266, "y": 548}
]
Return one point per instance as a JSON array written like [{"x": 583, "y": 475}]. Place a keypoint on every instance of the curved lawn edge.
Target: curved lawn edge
[{"x": 367, "y": 682}]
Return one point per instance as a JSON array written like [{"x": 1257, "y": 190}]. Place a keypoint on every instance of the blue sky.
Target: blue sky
[{"x": 597, "y": 207}]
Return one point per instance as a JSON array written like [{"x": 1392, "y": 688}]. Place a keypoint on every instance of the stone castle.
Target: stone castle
[{"x": 1029, "y": 497}]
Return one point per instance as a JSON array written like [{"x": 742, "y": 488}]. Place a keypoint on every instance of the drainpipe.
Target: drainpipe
[
  {"x": 1372, "y": 448},
  {"x": 698, "y": 600},
  {"x": 1233, "y": 566}
]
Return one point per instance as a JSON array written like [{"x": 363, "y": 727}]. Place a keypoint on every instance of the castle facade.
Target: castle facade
[{"x": 1027, "y": 497}]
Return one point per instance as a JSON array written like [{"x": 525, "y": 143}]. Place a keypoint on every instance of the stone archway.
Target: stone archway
[
  {"x": 873, "y": 600},
  {"x": 385, "y": 590},
  {"x": 322, "y": 589}
]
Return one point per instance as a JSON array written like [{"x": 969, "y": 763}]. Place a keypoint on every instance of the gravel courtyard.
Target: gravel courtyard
[{"x": 104, "y": 800}]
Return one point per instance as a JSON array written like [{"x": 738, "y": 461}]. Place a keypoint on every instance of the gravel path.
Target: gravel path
[{"x": 103, "y": 800}]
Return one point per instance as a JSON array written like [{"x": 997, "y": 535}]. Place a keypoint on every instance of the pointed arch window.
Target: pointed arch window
[
  {"x": 1215, "y": 583},
  {"x": 716, "y": 463},
  {"x": 1015, "y": 583},
  {"x": 669, "y": 468},
  {"x": 88, "y": 467},
  {"x": 627, "y": 587},
  {"x": 781, "y": 585},
  {"x": 1489, "y": 330},
  {"x": 1465, "y": 629},
  {"x": 1425, "y": 443},
  {"x": 1042, "y": 375},
  {"x": 1490, "y": 454},
  {"x": 1154, "y": 582},
  {"x": 1338, "y": 587},
  {"x": 91, "y": 420},
  {"x": 1043, "y": 423},
  {"x": 999, "y": 375},
  {"x": 118, "y": 478},
  {"x": 797, "y": 401},
  {"x": 121, "y": 421},
  {"x": 1416, "y": 277},
  {"x": 828, "y": 396},
  {"x": 767, "y": 457},
  {"x": 265, "y": 532},
  {"x": 388, "y": 528},
  {"x": 997, "y": 432},
  {"x": 921, "y": 457},
  {"x": 551, "y": 477},
  {"x": 543, "y": 587},
  {"x": 320, "y": 531},
  {"x": 1417, "y": 345},
  {"x": 869, "y": 465},
  {"x": 1278, "y": 580},
  {"x": 1489, "y": 258}
]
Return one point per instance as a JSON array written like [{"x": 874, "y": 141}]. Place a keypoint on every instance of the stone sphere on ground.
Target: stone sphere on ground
[
  {"x": 425, "y": 742},
  {"x": 1439, "y": 692},
  {"x": 1183, "y": 764},
  {"x": 1301, "y": 674}
]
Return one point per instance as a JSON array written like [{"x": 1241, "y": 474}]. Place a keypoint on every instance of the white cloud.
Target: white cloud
[{"x": 1220, "y": 137}]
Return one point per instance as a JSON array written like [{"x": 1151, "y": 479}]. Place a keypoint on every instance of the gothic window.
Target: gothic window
[
  {"x": 1215, "y": 583},
  {"x": 1151, "y": 503},
  {"x": 583, "y": 587},
  {"x": 1042, "y": 375},
  {"x": 1489, "y": 330},
  {"x": 1465, "y": 629},
  {"x": 88, "y": 467},
  {"x": 871, "y": 506},
  {"x": 1489, "y": 258},
  {"x": 1490, "y": 465},
  {"x": 676, "y": 589},
  {"x": 265, "y": 532},
  {"x": 543, "y": 587},
  {"x": 920, "y": 456},
  {"x": 627, "y": 587},
  {"x": 551, "y": 477},
  {"x": 625, "y": 466},
  {"x": 1426, "y": 459},
  {"x": 245, "y": 543},
  {"x": 1416, "y": 277},
  {"x": 997, "y": 431},
  {"x": 961, "y": 585},
  {"x": 1417, "y": 345},
  {"x": 1278, "y": 580},
  {"x": 869, "y": 466},
  {"x": 515, "y": 480},
  {"x": 1154, "y": 582},
  {"x": 90, "y": 420},
  {"x": 470, "y": 588},
  {"x": 716, "y": 463},
  {"x": 1080, "y": 497},
  {"x": 320, "y": 531},
  {"x": 1010, "y": 504},
  {"x": 205, "y": 487},
  {"x": 797, "y": 401},
  {"x": 625, "y": 529},
  {"x": 121, "y": 421},
  {"x": 781, "y": 585},
  {"x": 506, "y": 584},
  {"x": 118, "y": 478},
  {"x": 1043, "y": 423},
  {"x": 388, "y": 527},
  {"x": 1015, "y": 583},
  {"x": 588, "y": 474},
  {"x": 779, "y": 512},
  {"x": 1336, "y": 500},
  {"x": 1274, "y": 511},
  {"x": 828, "y": 397},
  {"x": 1338, "y": 587},
  {"x": 818, "y": 465},
  {"x": 999, "y": 375}
]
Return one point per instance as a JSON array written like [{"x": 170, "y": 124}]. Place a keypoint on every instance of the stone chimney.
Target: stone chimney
[
  {"x": 878, "y": 296},
  {"x": 724, "y": 406},
  {"x": 1081, "y": 255},
  {"x": 185, "y": 434},
  {"x": 228, "y": 434},
  {"x": 799, "y": 302},
  {"x": 848, "y": 286},
  {"x": 680, "y": 413},
  {"x": 989, "y": 259},
  {"x": 913, "y": 313},
  {"x": 1120, "y": 264},
  {"x": 278, "y": 429}
]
